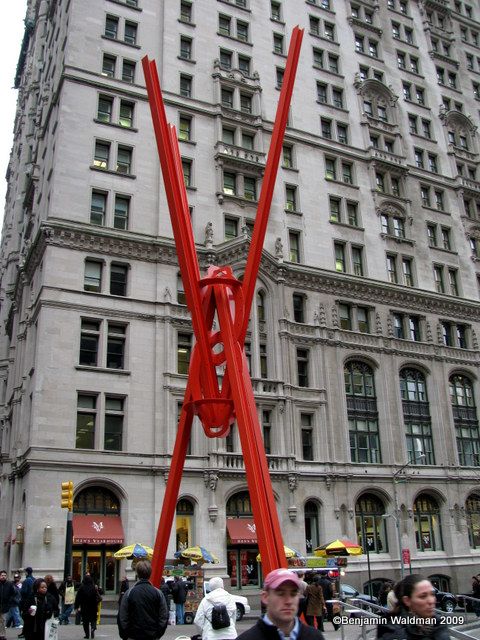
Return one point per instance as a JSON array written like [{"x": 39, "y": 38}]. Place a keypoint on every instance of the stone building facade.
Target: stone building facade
[{"x": 363, "y": 341}]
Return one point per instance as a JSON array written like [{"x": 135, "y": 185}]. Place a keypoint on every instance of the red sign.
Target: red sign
[{"x": 406, "y": 556}]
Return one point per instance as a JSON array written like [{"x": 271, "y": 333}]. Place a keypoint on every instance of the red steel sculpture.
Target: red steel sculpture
[{"x": 220, "y": 294}]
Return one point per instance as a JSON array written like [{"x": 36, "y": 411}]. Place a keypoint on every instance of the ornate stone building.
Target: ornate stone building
[{"x": 363, "y": 342}]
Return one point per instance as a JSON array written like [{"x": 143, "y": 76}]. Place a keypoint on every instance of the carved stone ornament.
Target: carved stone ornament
[
  {"x": 292, "y": 481},
  {"x": 209, "y": 234},
  {"x": 279, "y": 249},
  {"x": 292, "y": 512},
  {"x": 322, "y": 316},
  {"x": 213, "y": 512}
]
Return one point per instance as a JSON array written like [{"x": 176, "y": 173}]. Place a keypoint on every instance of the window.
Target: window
[
  {"x": 345, "y": 317},
  {"x": 407, "y": 271},
  {"x": 472, "y": 511},
  {"x": 245, "y": 103},
  {"x": 438, "y": 279},
  {"x": 432, "y": 163},
  {"x": 249, "y": 188},
  {"x": 294, "y": 246},
  {"x": 224, "y": 25},
  {"x": 105, "y": 108},
  {"x": 326, "y": 127},
  {"x": 298, "y": 301},
  {"x": 321, "y": 93},
  {"x": 357, "y": 261},
  {"x": 279, "y": 75},
  {"x": 406, "y": 327},
  {"x": 124, "y": 160},
  {"x": 185, "y": 12},
  {"x": 416, "y": 416},
  {"x": 392, "y": 269},
  {"x": 185, "y": 48},
  {"x": 287, "y": 156},
  {"x": 185, "y": 128},
  {"x": 114, "y": 416},
  {"x": 93, "y": 276},
  {"x": 229, "y": 183},
  {"x": 267, "y": 431},
  {"x": 312, "y": 529},
  {"x": 98, "y": 208},
  {"x": 111, "y": 27},
  {"x": 118, "y": 279},
  {"x": 242, "y": 31},
  {"x": 428, "y": 532},
  {"x": 86, "y": 421},
  {"x": 275, "y": 11},
  {"x": 244, "y": 64},
  {"x": 108, "y": 66},
  {"x": 370, "y": 525},
  {"x": 302, "y": 367},
  {"x": 231, "y": 228},
  {"x": 318, "y": 57},
  {"x": 102, "y": 155},
  {"x": 334, "y": 209},
  {"x": 333, "y": 64},
  {"x": 115, "y": 346},
  {"x": 128, "y": 71},
  {"x": 184, "y": 349},
  {"x": 306, "y": 436},
  {"x": 290, "y": 198},
  {"x": 342, "y": 133},
  {"x": 362, "y": 413},
  {"x": 426, "y": 128},
  {"x": 89, "y": 342},
  {"x": 130, "y": 34},
  {"x": 187, "y": 172},
  {"x": 465, "y": 420},
  {"x": 340, "y": 264},
  {"x": 227, "y": 98},
  {"x": 278, "y": 46},
  {"x": 126, "y": 114},
  {"x": 185, "y": 86},
  {"x": 121, "y": 211}
]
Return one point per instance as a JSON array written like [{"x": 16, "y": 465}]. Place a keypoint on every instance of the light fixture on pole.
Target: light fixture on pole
[{"x": 396, "y": 517}]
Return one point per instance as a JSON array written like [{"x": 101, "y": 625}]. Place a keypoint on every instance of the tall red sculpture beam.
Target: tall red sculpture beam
[{"x": 222, "y": 296}]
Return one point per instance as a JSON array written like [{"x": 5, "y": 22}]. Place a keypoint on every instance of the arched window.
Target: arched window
[
  {"x": 312, "y": 538},
  {"x": 261, "y": 306},
  {"x": 465, "y": 420},
  {"x": 362, "y": 413},
  {"x": 416, "y": 417},
  {"x": 428, "y": 527},
  {"x": 472, "y": 511},
  {"x": 239, "y": 505},
  {"x": 96, "y": 500},
  {"x": 185, "y": 514},
  {"x": 371, "y": 529}
]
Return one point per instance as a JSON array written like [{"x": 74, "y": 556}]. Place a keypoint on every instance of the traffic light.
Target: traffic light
[{"x": 67, "y": 495}]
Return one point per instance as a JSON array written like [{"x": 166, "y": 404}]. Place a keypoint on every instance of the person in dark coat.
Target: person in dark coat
[
  {"x": 327, "y": 589},
  {"x": 52, "y": 588},
  {"x": 143, "y": 613},
  {"x": 315, "y": 604},
  {"x": 7, "y": 600},
  {"x": 179, "y": 595},
  {"x": 167, "y": 593},
  {"x": 280, "y": 595},
  {"x": 86, "y": 601},
  {"x": 37, "y": 608},
  {"x": 124, "y": 587},
  {"x": 476, "y": 594},
  {"x": 415, "y": 611}
]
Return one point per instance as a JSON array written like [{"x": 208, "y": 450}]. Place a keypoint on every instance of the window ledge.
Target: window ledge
[
  {"x": 332, "y": 106},
  {"x": 399, "y": 240},
  {"x": 412, "y": 73},
  {"x": 225, "y": 35},
  {"x": 124, "y": 4},
  {"x": 279, "y": 53},
  {"x": 446, "y": 86},
  {"x": 319, "y": 37},
  {"x": 115, "y": 125},
  {"x": 445, "y": 213},
  {"x": 190, "y": 188},
  {"x": 346, "y": 184},
  {"x": 346, "y": 225},
  {"x": 293, "y": 213},
  {"x": 189, "y": 60},
  {"x": 449, "y": 251},
  {"x": 289, "y": 168},
  {"x": 329, "y": 71},
  {"x": 190, "y": 24},
  {"x": 366, "y": 55},
  {"x": 419, "y": 135},
  {"x": 418, "y": 104},
  {"x": 191, "y": 142},
  {"x": 234, "y": 5},
  {"x": 114, "y": 173},
  {"x": 313, "y": 4},
  {"x": 274, "y": 20},
  {"x": 127, "y": 44},
  {"x": 119, "y": 372}
]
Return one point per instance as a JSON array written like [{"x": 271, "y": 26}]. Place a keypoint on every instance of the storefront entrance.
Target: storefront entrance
[
  {"x": 243, "y": 568},
  {"x": 99, "y": 563}
]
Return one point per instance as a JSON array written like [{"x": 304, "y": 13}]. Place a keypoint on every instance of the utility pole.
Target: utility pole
[{"x": 67, "y": 503}]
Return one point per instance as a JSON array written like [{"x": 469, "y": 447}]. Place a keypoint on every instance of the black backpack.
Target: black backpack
[{"x": 220, "y": 618}]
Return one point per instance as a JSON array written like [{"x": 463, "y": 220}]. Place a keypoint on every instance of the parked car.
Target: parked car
[
  {"x": 243, "y": 606},
  {"x": 445, "y": 601},
  {"x": 347, "y": 591}
]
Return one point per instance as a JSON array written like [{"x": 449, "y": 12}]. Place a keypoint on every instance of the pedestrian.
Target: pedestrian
[
  {"x": 124, "y": 587},
  {"x": 7, "y": 599},
  {"x": 52, "y": 588},
  {"x": 143, "y": 613},
  {"x": 385, "y": 589},
  {"x": 302, "y": 603},
  {"x": 206, "y": 613},
  {"x": 67, "y": 593},
  {"x": 13, "y": 617},
  {"x": 37, "y": 608},
  {"x": 167, "y": 592},
  {"x": 27, "y": 590},
  {"x": 327, "y": 590},
  {"x": 476, "y": 594},
  {"x": 316, "y": 608},
  {"x": 86, "y": 602},
  {"x": 280, "y": 595},
  {"x": 415, "y": 610},
  {"x": 179, "y": 595}
]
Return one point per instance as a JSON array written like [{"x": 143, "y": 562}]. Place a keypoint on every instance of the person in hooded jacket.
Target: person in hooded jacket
[
  {"x": 415, "y": 611},
  {"x": 86, "y": 601},
  {"x": 37, "y": 608},
  {"x": 203, "y": 617}
]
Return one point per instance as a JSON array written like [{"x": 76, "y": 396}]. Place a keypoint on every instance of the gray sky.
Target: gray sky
[{"x": 12, "y": 34}]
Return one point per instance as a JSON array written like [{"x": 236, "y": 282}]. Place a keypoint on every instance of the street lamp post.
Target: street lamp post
[
  {"x": 365, "y": 538},
  {"x": 396, "y": 517}
]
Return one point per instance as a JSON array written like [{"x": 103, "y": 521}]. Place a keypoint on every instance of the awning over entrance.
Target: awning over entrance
[
  {"x": 242, "y": 531},
  {"x": 97, "y": 529}
]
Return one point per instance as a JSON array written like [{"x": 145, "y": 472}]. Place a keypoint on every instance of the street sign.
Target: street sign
[{"x": 406, "y": 556}]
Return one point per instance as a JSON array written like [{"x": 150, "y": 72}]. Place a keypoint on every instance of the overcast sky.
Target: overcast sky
[{"x": 12, "y": 33}]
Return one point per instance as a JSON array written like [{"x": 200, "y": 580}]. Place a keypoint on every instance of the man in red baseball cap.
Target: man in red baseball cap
[{"x": 280, "y": 596}]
